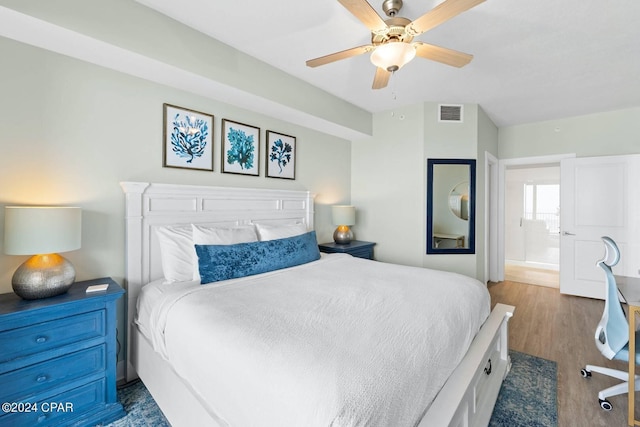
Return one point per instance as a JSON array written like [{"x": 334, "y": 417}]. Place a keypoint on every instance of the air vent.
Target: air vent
[{"x": 450, "y": 113}]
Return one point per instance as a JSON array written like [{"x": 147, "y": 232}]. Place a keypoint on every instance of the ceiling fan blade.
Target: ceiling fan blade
[
  {"x": 440, "y": 14},
  {"x": 362, "y": 10},
  {"x": 327, "y": 59},
  {"x": 442, "y": 54},
  {"x": 381, "y": 78}
]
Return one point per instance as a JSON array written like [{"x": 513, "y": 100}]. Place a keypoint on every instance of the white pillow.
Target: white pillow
[
  {"x": 177, "y": 252},
  {"x": 272, "y": 232},
  {"x": 203, "y": 235}
]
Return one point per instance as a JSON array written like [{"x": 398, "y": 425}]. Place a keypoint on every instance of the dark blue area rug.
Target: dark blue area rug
[
  {"x": 141, "y": 409},
  {"x": 528, "y": 398},
  {"x": 529, "y": 394}
]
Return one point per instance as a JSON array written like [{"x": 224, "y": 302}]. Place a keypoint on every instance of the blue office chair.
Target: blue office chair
[{"x": 612, "y": 333}]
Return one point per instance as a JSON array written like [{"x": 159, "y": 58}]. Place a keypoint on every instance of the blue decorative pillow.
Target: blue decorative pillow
[{"x": 222, "y": 262}]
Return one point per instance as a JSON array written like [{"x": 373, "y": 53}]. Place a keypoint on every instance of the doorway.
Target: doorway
[
  {"x": 498, "y": 261},
  {"x": 532, "y": 224}
]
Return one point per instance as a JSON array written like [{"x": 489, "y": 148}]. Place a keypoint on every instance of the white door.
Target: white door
[{"x": 599, "y": 197}]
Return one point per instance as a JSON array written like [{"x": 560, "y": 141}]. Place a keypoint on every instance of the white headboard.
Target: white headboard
[{"x": 148, "y": 205}]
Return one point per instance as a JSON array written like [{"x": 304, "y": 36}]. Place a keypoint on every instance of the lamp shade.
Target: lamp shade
[
  {"x": 343, "y": 215},
  {"x": 30, "y": 230},
  {"x": 393, "y": 56}
]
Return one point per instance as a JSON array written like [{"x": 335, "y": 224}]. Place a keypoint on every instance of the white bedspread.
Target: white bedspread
[{"x": 340, "y": 341}]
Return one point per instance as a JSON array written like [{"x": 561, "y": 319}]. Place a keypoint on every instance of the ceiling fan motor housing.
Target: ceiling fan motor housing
[
  {"x": 395, "y": 32},
  {"x": 391, "y": 7}
]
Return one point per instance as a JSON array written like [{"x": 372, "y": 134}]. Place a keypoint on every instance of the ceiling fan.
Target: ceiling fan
[{"x": 391, "y": 45}]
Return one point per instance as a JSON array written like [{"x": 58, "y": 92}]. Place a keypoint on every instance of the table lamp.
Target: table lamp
[
  {"x": 42, "y": 231},
  {"x": 343, "y": 216}
]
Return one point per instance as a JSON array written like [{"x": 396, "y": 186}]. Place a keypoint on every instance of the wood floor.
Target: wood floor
[
  {"x": 536, "y": 276},
  {"x": 561, "y": 328}
]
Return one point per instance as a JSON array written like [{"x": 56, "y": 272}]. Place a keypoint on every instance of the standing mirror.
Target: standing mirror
[{"x": 451, "y": 201}]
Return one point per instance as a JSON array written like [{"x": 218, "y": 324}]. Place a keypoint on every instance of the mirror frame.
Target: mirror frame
[{"x": 471, "y": 249}]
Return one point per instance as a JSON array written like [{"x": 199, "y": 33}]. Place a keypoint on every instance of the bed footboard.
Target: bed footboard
[{"x": 470, "y": 393}]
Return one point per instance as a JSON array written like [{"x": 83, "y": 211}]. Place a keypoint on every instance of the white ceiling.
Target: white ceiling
[{"x": 533, "y": 60}]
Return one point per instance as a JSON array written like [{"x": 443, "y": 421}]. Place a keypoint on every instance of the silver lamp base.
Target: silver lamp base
[
  {"x": 43, "y": 276},
  {"x": 343, "y": 235}
]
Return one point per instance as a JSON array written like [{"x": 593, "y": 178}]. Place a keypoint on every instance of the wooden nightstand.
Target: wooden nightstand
[
  {"x": 356, "y": 248},
  {"x": 58, "y": 358}
]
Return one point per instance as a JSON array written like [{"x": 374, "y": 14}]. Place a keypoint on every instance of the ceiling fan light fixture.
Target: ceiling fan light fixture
[{"x": 393, "y": 56}]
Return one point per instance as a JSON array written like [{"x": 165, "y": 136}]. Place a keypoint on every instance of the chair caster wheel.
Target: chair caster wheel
[
  {"x": 606, "y": 405},
  {"x": 585, "y": 373}
]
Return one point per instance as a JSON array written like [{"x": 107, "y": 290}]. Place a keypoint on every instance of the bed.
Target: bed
[{"x": 324, "y": 341}]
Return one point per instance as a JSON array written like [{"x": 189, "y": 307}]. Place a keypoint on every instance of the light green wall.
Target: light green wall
[
  {"x": 387, "y": 186},
  {"x": 136, "y": 28},
  {"x": 451, "y": 140},
  {"x": 602, "y": 134}
]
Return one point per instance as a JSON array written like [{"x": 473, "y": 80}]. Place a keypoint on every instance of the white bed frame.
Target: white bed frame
[{"x": 467, "y": 398}]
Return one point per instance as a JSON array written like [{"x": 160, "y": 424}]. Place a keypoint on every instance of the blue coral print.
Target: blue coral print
[
  {"x": 280, "y": 153},
  {"x": 242, "y": 148},
  {"x": 189, "y": 137}
]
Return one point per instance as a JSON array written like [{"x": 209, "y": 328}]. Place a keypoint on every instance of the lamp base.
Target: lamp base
[
  {"x": 343, "y": 235},
  {"x": 43, "y": 276}
]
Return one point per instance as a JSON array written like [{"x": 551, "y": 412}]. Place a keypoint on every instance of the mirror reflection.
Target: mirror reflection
[
  {"x": 459, "y": 200},
  {"x": 451, "y": 206}
]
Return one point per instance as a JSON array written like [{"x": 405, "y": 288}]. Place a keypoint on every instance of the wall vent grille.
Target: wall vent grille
[{"x": 450, "y": 113}]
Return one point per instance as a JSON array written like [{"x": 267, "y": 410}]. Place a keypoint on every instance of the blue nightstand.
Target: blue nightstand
[
  {"x": 356, "y": 248},
  {"x": 58, "y": 358}
]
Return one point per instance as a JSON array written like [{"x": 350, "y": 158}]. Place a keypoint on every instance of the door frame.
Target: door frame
[
  {"x": 497, "y": 263},
  {"x": 491, "y": 218}
]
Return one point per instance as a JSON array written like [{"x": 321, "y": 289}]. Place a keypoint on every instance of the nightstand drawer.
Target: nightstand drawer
[
  {"x": 31, "y": 380},
  {"x": 22, "y": 342},
  {"x": 72, "y": 404}
]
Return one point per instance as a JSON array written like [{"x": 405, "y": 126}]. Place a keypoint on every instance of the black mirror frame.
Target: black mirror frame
[{"x": 472, "y": 206}]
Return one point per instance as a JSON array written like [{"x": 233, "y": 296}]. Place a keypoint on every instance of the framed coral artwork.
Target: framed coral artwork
[
  {"x": 188, "y": 138},
  {"x": 240, "y": 148},
  {"x": 281, "y": 155}
]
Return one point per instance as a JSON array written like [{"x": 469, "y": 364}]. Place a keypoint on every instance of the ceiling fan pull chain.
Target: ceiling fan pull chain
[{"x": 394, "y": 94}]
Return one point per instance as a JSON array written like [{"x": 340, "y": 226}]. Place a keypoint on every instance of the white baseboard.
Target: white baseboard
[{"x": 530, "y": 264}]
